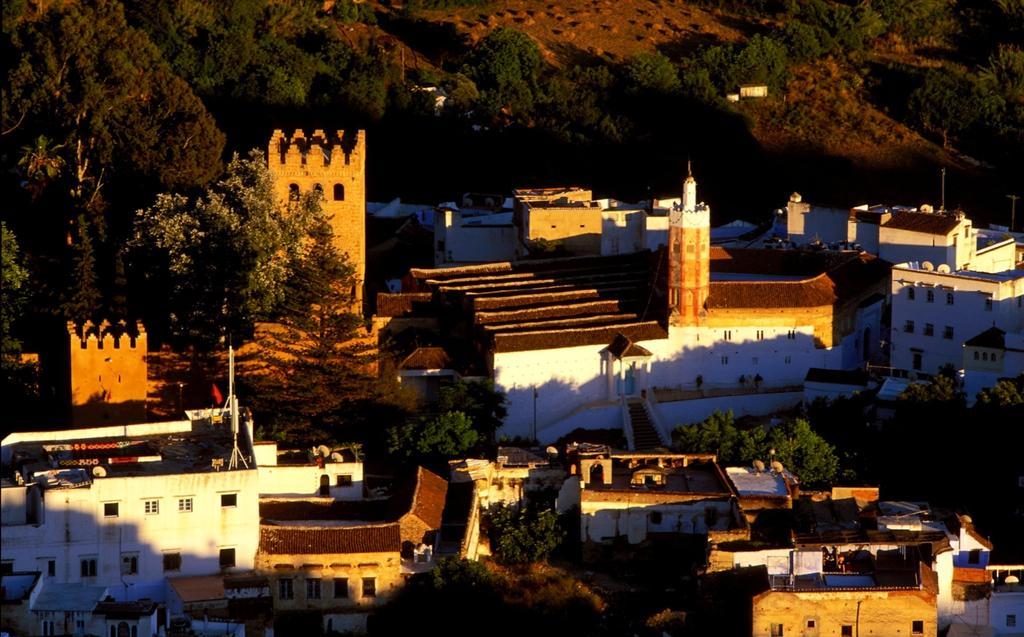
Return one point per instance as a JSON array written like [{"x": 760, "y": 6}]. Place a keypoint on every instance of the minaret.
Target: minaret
[{"x": 689, "y": 239}]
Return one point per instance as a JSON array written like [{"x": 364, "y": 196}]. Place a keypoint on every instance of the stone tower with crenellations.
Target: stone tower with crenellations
[
  {"x": 108, "y": 373},
  {"x": 689, "y": 239},
  {"x": 336, "y": 165}
]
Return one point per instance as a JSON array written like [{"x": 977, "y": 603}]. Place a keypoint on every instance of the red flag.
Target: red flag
[{"x": 218, "y": 398}]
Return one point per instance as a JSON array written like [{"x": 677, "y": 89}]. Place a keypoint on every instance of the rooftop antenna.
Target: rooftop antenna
[
  {"x": 236, "y": 454},
  {"x": 1013, "y": 210},
  {"x": 942, "y": 206}
]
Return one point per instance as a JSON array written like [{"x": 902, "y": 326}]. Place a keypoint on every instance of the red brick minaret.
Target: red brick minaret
[{"x": 689, "y": 243}]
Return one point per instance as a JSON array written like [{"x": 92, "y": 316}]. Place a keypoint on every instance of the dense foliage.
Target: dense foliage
[
  {"x": 522, "y": 534},
  {"x": 794, "y": 442}
]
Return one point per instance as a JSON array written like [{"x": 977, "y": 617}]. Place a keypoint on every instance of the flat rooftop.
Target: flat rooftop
[
  {"x": 74, "y": 458},
  {"x": 693, "y": 479},
  {"x": 996, "y": 277},
  {"x": 751, "y": 482}
]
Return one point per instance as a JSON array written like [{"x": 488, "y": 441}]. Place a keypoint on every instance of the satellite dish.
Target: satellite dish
[
  {"x": 927, "y": 265},
  {"x": 777, "y": 466},
  {"x": 759, "y": 466},
  {"x": 927, "y": 207},
  {"x": 552, "y": 451},
  {"x": 99, "y": 472},
  {"x": 1011, "y": 580},
  {"x": 966, "y": 519},
  {"x": 337, "y": 457},
  {"x": 943, "y": 268},
  {"x": 323, "y": 451}
]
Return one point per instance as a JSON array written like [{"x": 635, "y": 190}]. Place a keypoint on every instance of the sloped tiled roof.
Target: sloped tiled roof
[
  {"x": 426, "y": 358},
  {"x": 622, "y": 347},
  {"x": 428, "y": 498},
  {"x": 926, "y": 222},
  {"x": 993, "y": 337},
  {"x": 305, "y": 540}
]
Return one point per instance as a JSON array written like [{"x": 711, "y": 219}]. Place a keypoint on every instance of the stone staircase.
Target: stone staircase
[{"x": 645, "y": 436}]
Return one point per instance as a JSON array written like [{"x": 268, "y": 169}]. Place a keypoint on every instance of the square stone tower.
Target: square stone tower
[
  {"x": 689, "y": 240},
  {"x": 336, "y": 165},
  {"x": 107, "y": 373}
]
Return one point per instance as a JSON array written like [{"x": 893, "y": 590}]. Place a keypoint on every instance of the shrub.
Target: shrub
[{"x": 522, "y": 535}]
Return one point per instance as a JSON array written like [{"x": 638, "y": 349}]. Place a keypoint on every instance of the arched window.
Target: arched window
[
  {"x": 123, "y": 630},
  {"x": 597, "y": 473},
  {"x": 293, "y": 192},
  {"x": 339, "y": 192},
  {"x": 317, "y": 188}
]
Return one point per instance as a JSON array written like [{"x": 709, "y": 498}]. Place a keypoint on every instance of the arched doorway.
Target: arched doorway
[
  {"x": 325, "y": 485},
  {"x": 597, "y": 473}
]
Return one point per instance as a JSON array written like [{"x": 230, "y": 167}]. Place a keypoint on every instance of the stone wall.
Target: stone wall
[
  {"x": 107, "y": 373},
  {"x": 865, "y": 612}
]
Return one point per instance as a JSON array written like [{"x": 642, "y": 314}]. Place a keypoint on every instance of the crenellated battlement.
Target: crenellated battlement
[
  {"x": 107, "y": 336},
  {"x": 319, "y": 152}
]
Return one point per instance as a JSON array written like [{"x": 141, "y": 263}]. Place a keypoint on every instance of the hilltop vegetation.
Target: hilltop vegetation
[{"x": 110, "y": 109}]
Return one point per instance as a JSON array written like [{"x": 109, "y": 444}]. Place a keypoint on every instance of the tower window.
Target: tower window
[
  {"x": 910, "y": 293},
  {"x": 293, "y": 192},
  {"x": 318, "y": 189},
  {"x": 339, "y": 192}
]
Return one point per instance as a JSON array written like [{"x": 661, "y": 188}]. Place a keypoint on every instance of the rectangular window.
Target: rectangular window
[
  {"x": 910, "y": 293},
  {"x": 229, "y": 500},
  {"x": 345, "y": 481},
  {"x": 1011, "y": 621},
  {"x": 6, "y": 567},
  {"x": 284, "y": 589},
  {"x": 725, "y": 360},
  {"x": 988, "y": 305},
  {"x": 369, "y": 587},
  {"x": 51, "y": 568},
  {"x": 152, "y": 507},
  {"x": 312, "y": 588},
  {"x": 110, "y": 509},
  {"x": 947, "y": 332},
  {"x": 777, "y": 630},
  {"x": 846, "y": 631},
  {"x": 929, "y": 329},
  {"x": 791, "y": 335},
  {"x": 949, "y": 298},
  {"x": 129, "y": 563},
  {"x": 340, "y": 588},
  {"x": 760, "y": 335},
  {"x": 810, "y": 623},
  {"x": 788, "y": 360},
  {"x": 88, "y": 565},
  {"x": 227, "y": 558},
  {"x": 754, "y": 360},
  {"x": 655, "y": 517},
  {"x": 917, "y": 627},
  {"x": 930, "y": 296},
  {"x": 184, "y": 505},
  {"x": 172, "y": 562},
  {"x": 908, "y": 327},
  {"x": 917, "y": 361}
]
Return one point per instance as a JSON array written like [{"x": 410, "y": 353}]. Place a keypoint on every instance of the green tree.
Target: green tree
[
  {"x": 82, "y": 299},
  {"x": 915, "y": 20},
  {"x": 13, "y": 292},
  {"x": 652, "y": 71},
  {"x": 1004, "y": 73},
  {"x": 478, "y": 400},
  {"x": 804, "y": 452},
  {"x": 941, "y": 389},
  {"x": 310, "y": 375},
  {"x": 522, "y": 535},
  {"x": 805, "y": 42},
  {"x": 221, "y": 260},
  {"x": 1005, "y": 393},
  {"x": 719, "y": 435},
  {"x": 505, "y": 66},
  {"x": 103, "y": 93},
  {"x": 948, "y": 103},
  {"x": 450, "y": 434}
]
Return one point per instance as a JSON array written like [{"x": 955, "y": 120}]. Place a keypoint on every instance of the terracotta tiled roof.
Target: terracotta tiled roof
[
  {"x": 926, "y": 222},
  {"x": 299, "y": 540},
  {"x": 428, "y": 498},
  {"x": 400, "y": 304},
  {"x": 622, "y": 347},
  {"x": 814, "y": 292},
  {"x": 426, "y": 358}
]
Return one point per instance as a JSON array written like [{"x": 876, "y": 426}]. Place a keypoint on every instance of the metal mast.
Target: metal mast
[{"x": 236, "y": 454}]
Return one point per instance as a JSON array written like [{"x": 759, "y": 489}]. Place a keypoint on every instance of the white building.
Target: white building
[
  {"x": 320, "y": 472},
  {"x": 649, "y": 340},
  {"x": 124, "y": 507},
  {"x": 900, "y": 234},
  {"x": 990, "y": 357},
  {"x": 472, "y": 238},
  {"x": 935, "y": 310}
]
